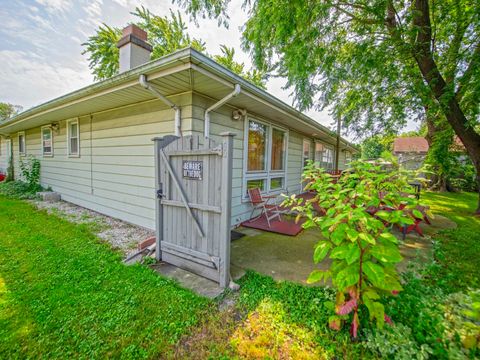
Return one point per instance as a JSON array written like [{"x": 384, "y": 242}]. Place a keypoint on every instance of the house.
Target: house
[
  {"x": 410, "y": 151},
  {"x": 95, "y": 144}
]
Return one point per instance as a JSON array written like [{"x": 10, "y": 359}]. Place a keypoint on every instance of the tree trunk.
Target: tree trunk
[{"x": 431, "y": 74}]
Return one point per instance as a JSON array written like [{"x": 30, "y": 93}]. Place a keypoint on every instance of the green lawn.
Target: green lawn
[
  {"x": 457, "y": 250},
  {"x": 63, "y": 294}
]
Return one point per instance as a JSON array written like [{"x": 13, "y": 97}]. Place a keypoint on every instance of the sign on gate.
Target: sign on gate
[
  {"x": 193, "y": 170},
  {"x": 193, "y": 217}
]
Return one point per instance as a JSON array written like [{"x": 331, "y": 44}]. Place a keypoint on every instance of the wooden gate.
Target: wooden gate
[{"x": 193, "y": 208}]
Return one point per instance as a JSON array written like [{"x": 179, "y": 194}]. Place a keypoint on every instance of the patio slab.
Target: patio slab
[{"x": 290, "y": 258}]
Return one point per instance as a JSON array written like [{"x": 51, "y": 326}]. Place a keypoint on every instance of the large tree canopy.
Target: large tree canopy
[
  {"x": 375, "y": 63},
  {"x": 166, "y": 35}
]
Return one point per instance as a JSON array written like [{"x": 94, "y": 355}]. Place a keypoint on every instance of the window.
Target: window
[
  {"x": 307, "y": 148},
  {"x": 47, "y": 141},
  {"x": 73, "y": 136},
  {"x": 327, "y": 158},
  {"x": 318, "y": 152},
  {"x": 266, "y": 156},
  {"x": 278, "y": 150},
  {"x": 21, "y": 143},
  {"x": 257, "y": 146},
  {"x": 348, "y": 157}
]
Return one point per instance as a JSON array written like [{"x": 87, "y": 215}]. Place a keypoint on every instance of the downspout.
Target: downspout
[
  {"x": 337, "y": 145},
  {"x": 219, "y": 103},
  {"x": 178, "y": 124}
]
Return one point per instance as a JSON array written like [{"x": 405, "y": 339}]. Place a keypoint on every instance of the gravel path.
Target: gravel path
[{"x": 118, "y": 233}]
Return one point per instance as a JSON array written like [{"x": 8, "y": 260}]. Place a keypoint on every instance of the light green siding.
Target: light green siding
[{"x": 114, "y": 173}]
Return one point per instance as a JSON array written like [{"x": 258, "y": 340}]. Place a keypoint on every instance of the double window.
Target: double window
[
  {"x": 22, "y": 143},
  {"x": 266, "y": 156},
  {"x": 73, "y": 138},
  {"x": 47, "y": 141},
  {"x": 324, "y": 156}
]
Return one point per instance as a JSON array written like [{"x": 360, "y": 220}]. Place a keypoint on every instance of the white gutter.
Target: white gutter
[
  {"x": 178, "y": 124},
  {"x": 237, "y": 89}
]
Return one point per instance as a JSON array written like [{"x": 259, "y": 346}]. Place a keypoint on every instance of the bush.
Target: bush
[
  {"x": 359, "y": 211},
  {"x": 396, "y": 342},
  {"x": 30, "y": 171},
  {"x": 18, "y": 190}
]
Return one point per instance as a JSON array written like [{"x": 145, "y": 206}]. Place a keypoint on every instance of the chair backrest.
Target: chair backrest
[{"x": 255, "y": 196}]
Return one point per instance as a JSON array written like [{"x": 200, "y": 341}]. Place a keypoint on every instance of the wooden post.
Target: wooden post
[
  {"x": 158, "y": 201},
  {"x": 159, "y": 144},
  {"x": 227, "y": 162},
  {"x": 337, "y": 150}
]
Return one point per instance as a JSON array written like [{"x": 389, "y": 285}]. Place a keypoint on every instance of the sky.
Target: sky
[{"x": 41, "y": 52}]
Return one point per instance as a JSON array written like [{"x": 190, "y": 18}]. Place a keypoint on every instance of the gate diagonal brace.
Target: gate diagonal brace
[{"x": 180, "y": 190}]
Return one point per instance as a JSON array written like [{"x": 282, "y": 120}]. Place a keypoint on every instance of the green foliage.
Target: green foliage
[
  {"x": 165, "y": 34},
  {"x": 102, "y": 51},
  {"x": 462, "y": 320},
  {"x": 206, "y": 8},
  {"x": 396, "y": 342},
  {"x": 374, "y": 146},
  {"x": 362, "y": 59},
  {"x": 456, "y": 250},
  {"x": 359, "y": 243},
  {"x": 64, "y": 294},
  {"x": 17, "y": 190},
  {"x": 8, "y": 110},
  {"x": 30, "y": 172},
  {"x": 227, "y": 59},
  {"x": 307, "y": 307}
]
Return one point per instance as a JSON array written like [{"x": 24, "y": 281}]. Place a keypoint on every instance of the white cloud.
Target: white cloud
[
  {"x": 55, "y": 6},
  {"x": 28, "y": 80}
]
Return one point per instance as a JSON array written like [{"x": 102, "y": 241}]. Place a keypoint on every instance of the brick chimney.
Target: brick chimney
[{"x": 134, "y": 49}]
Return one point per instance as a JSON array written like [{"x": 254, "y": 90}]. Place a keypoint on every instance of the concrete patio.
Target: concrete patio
[{"x": 290, "y": 257}]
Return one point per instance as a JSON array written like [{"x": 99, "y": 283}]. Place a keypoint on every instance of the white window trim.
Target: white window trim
[
  {"x": 69, "y": 152},
  {"x": 24, "y": 152},
  {"x": 266, "y": 174},
  {"x": 44, "y": 154},
  {"x": 305, "y": 140}
]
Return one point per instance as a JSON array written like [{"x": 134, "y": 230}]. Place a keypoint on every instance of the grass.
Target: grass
[
  {"x": 64, "y": 294},
  {"x": 458, "y": 250}
]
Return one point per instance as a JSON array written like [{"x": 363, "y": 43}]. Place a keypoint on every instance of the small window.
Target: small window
[
  {"x": 307, "y": 146},
  {"x": 47, "y": 141},
  {"x": 21, "y": 143},
  {"x": 348, "y": 157},
  {"x": 73, "y": 135}
]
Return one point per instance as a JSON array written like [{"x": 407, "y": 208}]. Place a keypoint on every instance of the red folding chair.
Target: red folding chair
[{"x": 261, "y": 202}]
